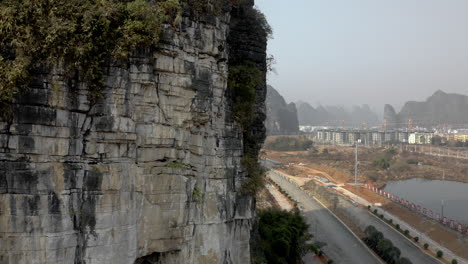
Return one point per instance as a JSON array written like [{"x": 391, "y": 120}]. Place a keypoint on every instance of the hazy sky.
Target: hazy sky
[{"x": 349, "y": 52}]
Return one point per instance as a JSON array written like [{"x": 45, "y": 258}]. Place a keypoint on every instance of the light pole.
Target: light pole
[{"x": 356, "y": 163}]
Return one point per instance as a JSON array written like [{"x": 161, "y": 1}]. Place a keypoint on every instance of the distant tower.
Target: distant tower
[{"x": 385, "y": 126}]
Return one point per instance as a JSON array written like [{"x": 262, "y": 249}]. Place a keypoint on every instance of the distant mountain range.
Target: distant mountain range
[
  {"x": 335, "y": 115},
  {"x": 440, "y": 108},
  {"x": 281, "y": 116}
]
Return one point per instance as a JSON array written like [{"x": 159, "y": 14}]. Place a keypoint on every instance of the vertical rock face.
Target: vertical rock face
[
  {"x": 281, "y": 117},
  {"x": 150, "y": 173}
]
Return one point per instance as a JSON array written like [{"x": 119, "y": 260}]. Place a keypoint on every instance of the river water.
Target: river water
[{"x": 431, "y": 193}]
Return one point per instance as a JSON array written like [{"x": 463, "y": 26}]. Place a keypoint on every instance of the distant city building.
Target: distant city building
[
  {"x": 420, "y": 138},
  {"x": 457, "y": 137},
  {"x": 369, "y": 137}
]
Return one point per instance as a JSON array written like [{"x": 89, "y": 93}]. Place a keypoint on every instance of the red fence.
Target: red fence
[{"x": 417, "y": 208}]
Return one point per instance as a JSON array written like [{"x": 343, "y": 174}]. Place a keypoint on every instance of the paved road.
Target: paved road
[
  {"x": 363, "y": 218},
  {"x": 408, "y": 249},
  {"x": 342, "y": 246}
]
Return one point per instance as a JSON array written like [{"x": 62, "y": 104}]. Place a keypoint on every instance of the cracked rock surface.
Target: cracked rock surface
[{"x": 150, "y": 173}]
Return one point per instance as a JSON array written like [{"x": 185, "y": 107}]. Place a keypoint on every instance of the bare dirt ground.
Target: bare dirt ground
[{"x": 325, "y": 168}]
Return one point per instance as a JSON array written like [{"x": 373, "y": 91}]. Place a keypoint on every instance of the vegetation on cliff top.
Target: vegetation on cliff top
[{"x": 81, "y": 36}]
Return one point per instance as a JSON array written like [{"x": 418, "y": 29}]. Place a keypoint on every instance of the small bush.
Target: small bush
[
  {"x": 406, "y": 232},
  {"x": 454, "y": 261},
  {"x": 416, "y": 239},
  {"x": 382, "y": 163},
  {"x": 197, "y": 195},
  {"x": 368, "y": 207},
  {"x": 397, "y": 226},
  {"x": 390, "y": 221},
  {"x": 382, "y": 216},
  {"x": 440, "y": 253},
  {"x": 426, "y": 246},
  {"x": 375, "y": 211}
]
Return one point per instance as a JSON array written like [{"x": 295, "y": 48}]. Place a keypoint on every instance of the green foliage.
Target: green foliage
[
  {"x": 390, "y": 221},
  {"x": 426, "y": 246},
  {"x": 454, "y": 261},
  {"x": 80, "y": 35},
  {"x": 284, "y": 236},
  {"x": 197, "y": 195},
  {"x": 416, "y": 239},
  {"x": 440, "y": 253},
  {"x": 375, "y": 211},
  {"x": 382, "y": 246},
  {"x": 406, "y": 232},
  {"x": 412, "y": 161},
  {"x": 382, "y": 163},
  {"x": 397, "y": 226},
  {"x": 243, "y": 81},
  {"x": 289, "y": 144},
  {"x": 256, "y": 173}
]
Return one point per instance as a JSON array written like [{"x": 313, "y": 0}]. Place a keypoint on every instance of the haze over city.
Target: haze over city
[{"x": 367, "y": 52}]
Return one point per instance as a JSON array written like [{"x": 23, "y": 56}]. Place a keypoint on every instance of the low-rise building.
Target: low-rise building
[
  {"x": 420, "y": 138},
  {"x": 461, "y": 137}
]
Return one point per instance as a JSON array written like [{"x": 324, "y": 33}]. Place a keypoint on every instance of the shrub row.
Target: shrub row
[{"x": 383, "y": 247}]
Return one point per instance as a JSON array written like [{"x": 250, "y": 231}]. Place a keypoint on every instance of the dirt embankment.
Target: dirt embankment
[{"x": 376, "y": 165}]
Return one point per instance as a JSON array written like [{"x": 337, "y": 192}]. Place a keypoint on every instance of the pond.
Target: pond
[{"x": 431, "y": 194}]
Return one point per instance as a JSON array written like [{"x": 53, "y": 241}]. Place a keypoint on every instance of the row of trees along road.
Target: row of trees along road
[{"x": 383, "y": 247}]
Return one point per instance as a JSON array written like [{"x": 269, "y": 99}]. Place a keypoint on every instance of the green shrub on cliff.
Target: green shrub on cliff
[
  {"x": 243, "y": 81},
  {"x": 256, "y": 175}
]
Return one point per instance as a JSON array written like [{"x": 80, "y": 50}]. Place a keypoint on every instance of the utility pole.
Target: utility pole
[{"x": 356, "y": 162}]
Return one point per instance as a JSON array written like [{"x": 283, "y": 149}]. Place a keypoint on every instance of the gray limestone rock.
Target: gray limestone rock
[{"x": 149, "y": 174}]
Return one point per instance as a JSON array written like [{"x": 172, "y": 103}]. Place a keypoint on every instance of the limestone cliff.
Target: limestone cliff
[
  {"x": 440, "y": 108},
  {"x": 335, "y": 115},
  {"x": 150, "y": 173},
  {"x": 281, "y": 117}
]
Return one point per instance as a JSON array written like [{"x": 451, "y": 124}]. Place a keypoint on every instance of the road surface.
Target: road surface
[
  {"x": 363, "y": 218},
  {"x": 342, "y": 246}
]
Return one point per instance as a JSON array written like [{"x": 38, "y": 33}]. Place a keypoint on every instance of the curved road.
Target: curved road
[
  {"x": 342, "y": 246},
  {"x": 340, "y": 238}
]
